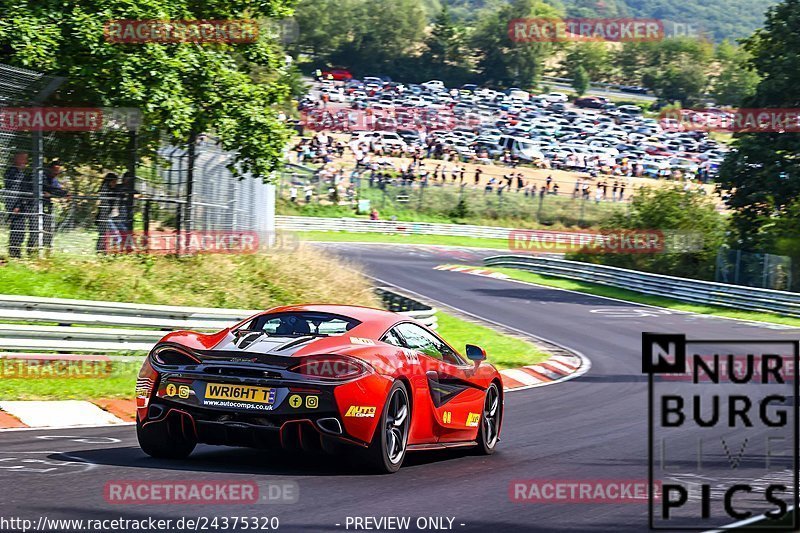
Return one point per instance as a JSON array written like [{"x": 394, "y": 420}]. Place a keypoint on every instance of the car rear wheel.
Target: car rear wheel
[
  {"x": 489, "y": 432},
  {"x": 161, "y": 441},
  {"x": 388, "y": 448}
]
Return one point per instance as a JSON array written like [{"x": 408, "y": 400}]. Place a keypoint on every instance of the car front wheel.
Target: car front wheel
[{"x": 492, "y": 416}]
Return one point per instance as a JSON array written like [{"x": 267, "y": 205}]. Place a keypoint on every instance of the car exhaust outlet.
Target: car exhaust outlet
[
  {"x": 155, "y": 411},
  {"x": 330, "y": 425}
]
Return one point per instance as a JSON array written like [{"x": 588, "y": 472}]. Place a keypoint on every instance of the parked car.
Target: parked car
[
  {"x": 434, "y": 85},
  {"x": 555, "y": 97},
  {"x": 337, "y": 74},
  {"x": 590, "y": 102}
]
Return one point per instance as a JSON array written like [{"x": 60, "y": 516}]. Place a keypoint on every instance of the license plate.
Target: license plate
[{"x": 242, "y": 393}]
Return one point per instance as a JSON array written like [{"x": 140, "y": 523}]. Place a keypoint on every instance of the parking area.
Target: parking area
[{"x": 477, "y": 125}]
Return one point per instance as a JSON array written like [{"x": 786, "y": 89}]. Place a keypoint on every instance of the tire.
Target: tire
[
  {"x": 387, "y": 451},
  {"x": 160, "y": 441},
  {"x": 491, "y": 418}
]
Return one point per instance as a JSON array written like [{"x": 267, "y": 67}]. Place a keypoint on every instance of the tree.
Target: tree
[
  {"x": 675, "y": 68},
  {"x": 736, "y": 80},
  {"x": 504, "y": 61},
  {"x": 382, "y": 35},
  {"x": 763, "y": 172},
  {"x": 182, "y": 89},
  {"x": 690, "y": 216},
  {"x": 580, "y": 80},
  {"x": 444, "y": 44},
  {"x": 594, "y": 57},
  {"x": 685, "y": 83}
]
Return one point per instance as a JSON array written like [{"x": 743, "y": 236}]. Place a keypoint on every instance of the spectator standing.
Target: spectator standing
[
  {"x": 51, "y": 188},
  {"x": 107, "y": 204},
  {"x": 18, "y": 187}
]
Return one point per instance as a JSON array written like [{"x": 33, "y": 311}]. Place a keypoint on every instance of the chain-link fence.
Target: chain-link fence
[
  {"x": 767, "y": 271},
  {"x": 312, "y": 190},
  {"x": 72, "y": 180}
]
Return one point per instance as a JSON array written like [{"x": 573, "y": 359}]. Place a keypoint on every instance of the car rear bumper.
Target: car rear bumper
[
  {"x": 320, "y": 432},
  {"x": 270, "y": 412}
]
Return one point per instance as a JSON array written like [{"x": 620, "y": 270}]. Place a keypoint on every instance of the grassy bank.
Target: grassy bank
[
  {"x": 441, "y": 204},
  {"x": 635, "y": 297},
  {"x": 439, "y": 240},
  {"x": 503, "y": 351},
  {"x": 256, "y": 281}
]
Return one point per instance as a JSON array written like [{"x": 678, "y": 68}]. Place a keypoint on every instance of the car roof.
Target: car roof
[{"x": 374, "y": 322}]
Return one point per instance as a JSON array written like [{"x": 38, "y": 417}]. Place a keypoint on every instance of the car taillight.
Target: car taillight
[
  {"x": 330, "y": 367},
  {"x": 145, "y": 383},
  {"x": 167, "y": 355}
]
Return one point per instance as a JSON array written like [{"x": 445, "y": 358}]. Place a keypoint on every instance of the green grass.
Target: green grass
[
  {"x": 441, "y": 240},
  {"x": 504, "y": 351},
  {"x": 249, "y": 281},
  {"x": 631, "y": 296},
  {"x": 436, "y": 204},
  {"x": 119, "y": 382}
]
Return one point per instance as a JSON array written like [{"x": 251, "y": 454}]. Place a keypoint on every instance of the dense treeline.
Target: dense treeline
[
  {"x": 397, "y": 38},
  {"x": 722, "y": 19}
]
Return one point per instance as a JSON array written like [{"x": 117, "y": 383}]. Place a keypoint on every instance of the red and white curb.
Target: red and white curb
[
  {"x": 30, "y": 414},
  {"x": 557, "y": 368},
  {"x": 472, "y": 270}
]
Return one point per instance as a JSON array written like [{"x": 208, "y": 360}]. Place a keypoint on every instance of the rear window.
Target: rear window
[{"x": 302, "y": 323}]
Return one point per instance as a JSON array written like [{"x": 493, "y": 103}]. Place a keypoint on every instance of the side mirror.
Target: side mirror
[{"x": 475, "y": 353}]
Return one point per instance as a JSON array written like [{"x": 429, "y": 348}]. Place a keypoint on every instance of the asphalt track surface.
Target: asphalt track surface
[{"x": 590, "y": 428}]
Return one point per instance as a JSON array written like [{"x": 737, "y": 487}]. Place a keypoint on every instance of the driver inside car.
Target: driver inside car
[{"x": 291, "y": 325}]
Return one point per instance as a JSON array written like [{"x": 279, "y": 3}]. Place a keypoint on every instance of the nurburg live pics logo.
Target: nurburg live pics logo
[{"x": 722, "y": 445}]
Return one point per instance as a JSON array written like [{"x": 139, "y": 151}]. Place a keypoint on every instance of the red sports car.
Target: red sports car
[
  {"x": 340, "y": 379},
  {"x": 337, "y": 74}
]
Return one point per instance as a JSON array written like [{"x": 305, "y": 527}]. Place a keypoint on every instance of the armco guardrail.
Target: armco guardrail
[
  {"x": 400, "y": 303},
  {"x": 689, "y": 290},
  {"x": 151, "y": 321},
  {"x": 362, "y": 225}
]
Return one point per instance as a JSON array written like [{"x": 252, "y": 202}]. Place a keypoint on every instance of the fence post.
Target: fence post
[
  {"x": 38, "y": 202},
  {"x": 192, "y": 153}
]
